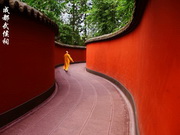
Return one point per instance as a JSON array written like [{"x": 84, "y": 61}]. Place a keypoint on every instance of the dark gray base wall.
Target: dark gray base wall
[{"x": 13, "y": 114}]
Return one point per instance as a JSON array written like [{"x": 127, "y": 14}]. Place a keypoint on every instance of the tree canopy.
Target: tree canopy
[
  {"x": 107, "y": 16},
  {"x": 79, "y": 20}
]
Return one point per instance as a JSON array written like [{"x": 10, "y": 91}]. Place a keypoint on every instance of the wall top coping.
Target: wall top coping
[
  {"x": 30, "y": 11},
  {"x": 70, "y": 46},
  {"x": 140, "y": 6}
]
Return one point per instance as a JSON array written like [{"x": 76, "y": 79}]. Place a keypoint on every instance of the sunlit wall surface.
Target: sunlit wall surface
[{"x": 147, "y": 63}]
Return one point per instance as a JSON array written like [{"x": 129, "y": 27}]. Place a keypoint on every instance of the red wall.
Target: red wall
[
  {"x": 147, "y": 63},
  {"x": 26, "y": 65},
  {"x": 78, "y": 54}
]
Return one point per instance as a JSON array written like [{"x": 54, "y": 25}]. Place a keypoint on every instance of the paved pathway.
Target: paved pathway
[{"x": 83, "y": 104}]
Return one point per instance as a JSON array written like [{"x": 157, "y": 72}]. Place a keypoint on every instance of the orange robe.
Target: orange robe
[{"x": 67, "y": 59}]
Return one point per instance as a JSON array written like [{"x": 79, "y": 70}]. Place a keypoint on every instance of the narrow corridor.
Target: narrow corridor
[{"x": 82, "y": 104}]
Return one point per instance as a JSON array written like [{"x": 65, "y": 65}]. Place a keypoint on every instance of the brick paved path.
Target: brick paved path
[{"x": 83, "y": 104}]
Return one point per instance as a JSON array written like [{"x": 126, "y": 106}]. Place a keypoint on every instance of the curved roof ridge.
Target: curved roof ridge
[
  {"x": 30, "y": 11},
  {"x": 70, "y": 46}
]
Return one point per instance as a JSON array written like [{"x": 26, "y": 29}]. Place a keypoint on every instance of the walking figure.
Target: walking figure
[{"x": 67, "y": 60}]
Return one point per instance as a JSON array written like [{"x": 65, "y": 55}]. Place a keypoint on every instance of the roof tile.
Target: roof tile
[{"x": 30, "y": 11}]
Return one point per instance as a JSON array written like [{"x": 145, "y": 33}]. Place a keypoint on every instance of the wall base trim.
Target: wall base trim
[
  {"x": 126, "y": 93},
  {"x": 15, "y": 113},
  {"x": 59, "y": 65}
]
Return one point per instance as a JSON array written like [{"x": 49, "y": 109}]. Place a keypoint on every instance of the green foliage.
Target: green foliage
[
  {"x": 76, "y": 11},
  {"x": 69, "y": 36},
  {"x": 108, "y": 16},
  {"x": 50, "y": 8},
  {"x": 82, "y": 19},
  {"x": 125, "y": 11}
]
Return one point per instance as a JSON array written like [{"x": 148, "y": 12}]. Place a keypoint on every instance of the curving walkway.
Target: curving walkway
[{"x": 83, "y": 104}]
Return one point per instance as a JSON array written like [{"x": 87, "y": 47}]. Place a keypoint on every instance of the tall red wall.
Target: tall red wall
[
  {"x": 26, "y": 65},
  {"x": 147, "y": 63},
  {"x": 78, "y": 54}
]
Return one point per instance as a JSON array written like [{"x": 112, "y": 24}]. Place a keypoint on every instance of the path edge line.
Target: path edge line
[{"x": 126, "y": 93}]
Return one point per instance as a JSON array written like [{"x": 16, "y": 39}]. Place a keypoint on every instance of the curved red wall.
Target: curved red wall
[
  {"x": 77, "y": 53},
  {"x": 147, "y": 63},
  {"x": 26, "y": 65}
]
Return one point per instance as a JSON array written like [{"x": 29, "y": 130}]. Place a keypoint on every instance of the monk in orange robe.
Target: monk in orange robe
[{"x": 67, "y": 60}]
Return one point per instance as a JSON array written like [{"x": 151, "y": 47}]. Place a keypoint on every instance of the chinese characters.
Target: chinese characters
[{"x": 5, "y": 18}]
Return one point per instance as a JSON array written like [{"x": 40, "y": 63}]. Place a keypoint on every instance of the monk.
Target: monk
[{"x": 67, "y": 60}]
